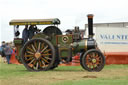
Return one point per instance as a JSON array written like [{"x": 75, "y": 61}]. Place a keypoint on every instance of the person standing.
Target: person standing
[
  {"x": 3, "y": 47},
  {"x": 31, "y": 31},
  {"x": 8, "y": 52},
  {"x": 2, "y": 51},
  {"x": 25, "y": 34}
]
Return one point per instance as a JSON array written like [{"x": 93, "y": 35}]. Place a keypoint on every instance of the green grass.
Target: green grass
[
  {"x": 94, "y": 82},
  {"x": 114, "y": 66},
  {"x": 63, "y": 75},
  {"x": 10, "y": 70}
]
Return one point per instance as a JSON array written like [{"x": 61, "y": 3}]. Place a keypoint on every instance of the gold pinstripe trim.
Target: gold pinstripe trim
[{"x": 86, "y": 44}]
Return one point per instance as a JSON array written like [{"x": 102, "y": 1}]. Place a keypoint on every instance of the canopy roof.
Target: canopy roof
[{"x": 34, "y": 21}]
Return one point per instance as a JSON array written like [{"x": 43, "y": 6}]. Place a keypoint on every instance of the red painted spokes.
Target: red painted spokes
[{"x": 93, "y": 60}]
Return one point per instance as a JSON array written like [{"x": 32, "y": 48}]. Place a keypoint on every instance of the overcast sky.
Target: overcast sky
[{"x": 70, "y": 12}]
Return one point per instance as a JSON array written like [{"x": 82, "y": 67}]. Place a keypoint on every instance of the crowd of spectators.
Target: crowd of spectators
[{"x": 6, "y": 50}]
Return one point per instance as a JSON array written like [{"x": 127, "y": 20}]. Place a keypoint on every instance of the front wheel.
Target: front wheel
[
  {"x": 93, "y": 60},
  {"x": 38, "y": 54}
]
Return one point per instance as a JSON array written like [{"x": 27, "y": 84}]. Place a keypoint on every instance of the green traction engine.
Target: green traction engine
[{"x": 48, "y": 48}]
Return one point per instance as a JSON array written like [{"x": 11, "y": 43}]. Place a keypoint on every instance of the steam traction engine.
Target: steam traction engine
[{"x": 48, "y": 48}]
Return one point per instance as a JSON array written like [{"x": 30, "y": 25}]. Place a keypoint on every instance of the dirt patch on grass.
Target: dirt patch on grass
[{"x": 89, "y": 76}]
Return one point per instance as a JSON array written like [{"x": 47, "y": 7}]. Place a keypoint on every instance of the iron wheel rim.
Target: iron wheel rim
[
  {"x": 38, "y": 55},
  {"x": 93, "y": 60}
]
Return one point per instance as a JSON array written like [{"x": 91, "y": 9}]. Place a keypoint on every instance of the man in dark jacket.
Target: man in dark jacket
[
  {"x": 32, "y": 31},
  {"x": 2, "y": 48},
  {"x": 25, "y": 34}
]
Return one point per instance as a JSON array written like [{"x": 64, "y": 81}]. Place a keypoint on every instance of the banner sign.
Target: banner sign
[{"x": 112, "y": 39}]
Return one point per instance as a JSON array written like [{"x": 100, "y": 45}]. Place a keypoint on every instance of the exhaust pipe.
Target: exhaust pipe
[{"x": 90, "y": 25}]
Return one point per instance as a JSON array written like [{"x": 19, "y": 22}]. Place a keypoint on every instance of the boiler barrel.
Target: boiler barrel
[{"x": 85, "y": 45}]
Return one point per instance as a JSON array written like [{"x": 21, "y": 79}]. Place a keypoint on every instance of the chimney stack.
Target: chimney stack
[{"x": 90, "y": 25}]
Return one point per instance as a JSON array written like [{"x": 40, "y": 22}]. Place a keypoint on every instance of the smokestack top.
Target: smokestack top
[
  {"x": 90, "y": 25},
  {"x": 90, "y": 15}
]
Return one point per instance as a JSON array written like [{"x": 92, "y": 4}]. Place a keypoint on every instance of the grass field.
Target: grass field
[{"x": 63, "y": 75}]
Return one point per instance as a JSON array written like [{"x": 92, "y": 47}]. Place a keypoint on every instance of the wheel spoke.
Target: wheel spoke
[
  {"x": 39, "y": 46},
  {"x": 29, "y": 58},
  {"x": 28, "y": 55},
  {"x": 45, "y": 54},
  {"x": 94, "y": 65},
  {"x": 42, "y": 46},
  {"x": 88, "y": 57},
  {"x": 93, "y": 55},
  {"x": 30, "y": 65},
  {"x": 98, "y": 59},
  {"x": 33, "y": 48},
  {"x": 40, "y": 63},
  {"x": 31, "y": 61},
  {"x": 44, "y": 60},
  {"x": 34, "y": 62},
  {"x": 44, "y": 49},
  {"x": 87, "y": 62},
  {"x": 47, "y": 51},
  {"x": 97, "y": 56},
  {"x": 97, "y": 63},
  {"x": 90, "y": 65},
  {"x": 48, "y": 58},
  {"x": 43, "y": 64},
  {"x": 30, "y": 52},
  {"x": 35, "y": 44},
  {"x": 37, "y": 65},
  {"x": 30, "y": 49}
]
